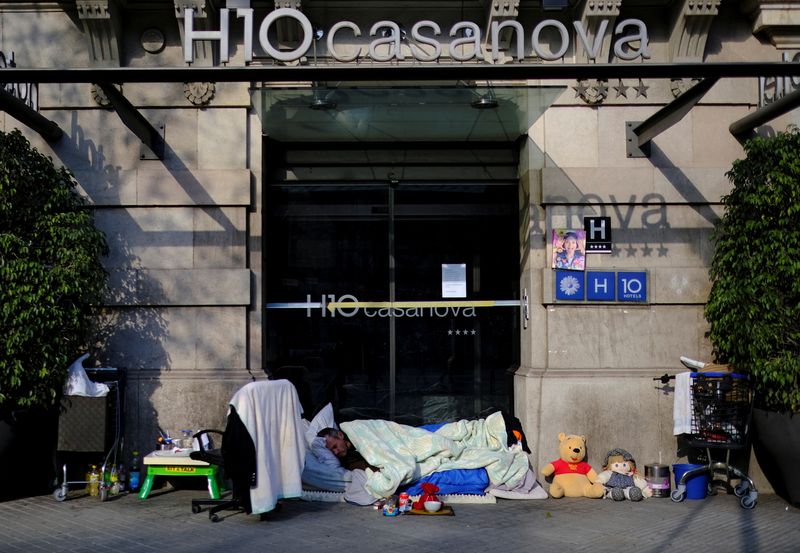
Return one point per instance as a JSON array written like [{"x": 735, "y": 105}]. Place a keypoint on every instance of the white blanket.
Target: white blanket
[
  {"x": 682, "y": 404},
  {"x": 270, "y": 410},
  {"x": 405, "y": 454}
]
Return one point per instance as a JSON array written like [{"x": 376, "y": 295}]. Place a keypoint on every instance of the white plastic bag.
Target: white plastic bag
[{"x": 79, "y": 384}]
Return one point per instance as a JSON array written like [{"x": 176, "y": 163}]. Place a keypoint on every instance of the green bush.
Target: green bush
[
  {"x": 50, "y": 274},
  {"x": 754, "y": 306}
]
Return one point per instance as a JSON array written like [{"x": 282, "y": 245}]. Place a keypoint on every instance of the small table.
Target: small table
[{"x": 165, "y": 463}]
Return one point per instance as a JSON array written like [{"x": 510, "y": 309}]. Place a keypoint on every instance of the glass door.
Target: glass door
[{"x": 394, "y": 300}]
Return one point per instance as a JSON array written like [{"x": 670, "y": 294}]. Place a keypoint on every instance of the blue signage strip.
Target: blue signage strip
[
  {"x": 601, "y": 286},
  {"x": 632, "y": 286},
  {"x": 570, "y": 285}
]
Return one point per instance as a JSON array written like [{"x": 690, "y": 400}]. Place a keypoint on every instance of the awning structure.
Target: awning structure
[{"x": 403, "y": 113}]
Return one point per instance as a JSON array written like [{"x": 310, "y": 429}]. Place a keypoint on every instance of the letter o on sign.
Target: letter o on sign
[{"x": 263, "y": 34}]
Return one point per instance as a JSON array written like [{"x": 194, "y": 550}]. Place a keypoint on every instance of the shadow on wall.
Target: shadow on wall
[{"x": 129, "y": 334}]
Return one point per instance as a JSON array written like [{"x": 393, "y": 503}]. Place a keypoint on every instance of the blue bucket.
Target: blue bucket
[{"x": 697, "y": 485}]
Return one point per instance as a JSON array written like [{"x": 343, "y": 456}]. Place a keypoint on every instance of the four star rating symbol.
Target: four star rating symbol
[{"x": 465, "y": 332}]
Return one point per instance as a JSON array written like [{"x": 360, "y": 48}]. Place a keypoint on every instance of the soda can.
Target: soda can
[{"x": 404, "y": 503}]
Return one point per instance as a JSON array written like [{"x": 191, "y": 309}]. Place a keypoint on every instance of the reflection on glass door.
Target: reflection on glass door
[{"x": 355, "y": 297}]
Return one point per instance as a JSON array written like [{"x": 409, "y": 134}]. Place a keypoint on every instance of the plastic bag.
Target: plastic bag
[{"x": 79, "y": 384}]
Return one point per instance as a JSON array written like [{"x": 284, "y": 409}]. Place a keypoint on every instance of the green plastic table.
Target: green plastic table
[{"x": 163, "y": 463}]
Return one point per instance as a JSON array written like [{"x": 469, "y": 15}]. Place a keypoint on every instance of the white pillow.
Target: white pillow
[
  {"x": 323, "y": 419},
  {"x": 323, "y": 454}
]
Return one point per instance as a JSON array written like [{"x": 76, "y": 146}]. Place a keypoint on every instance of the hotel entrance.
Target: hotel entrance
[
  {"x": 392, "y": 276},
  {"x": 391, "y": 245}
]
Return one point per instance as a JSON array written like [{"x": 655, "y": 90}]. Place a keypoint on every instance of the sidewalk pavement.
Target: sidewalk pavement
[{"x": 164, "y": 523}]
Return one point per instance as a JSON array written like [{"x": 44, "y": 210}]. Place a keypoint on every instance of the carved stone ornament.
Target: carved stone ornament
[
  {"x": 591, "y": 91},
  {"x": 100, "y": 97},
  {"x": 679, "y": 86},
  {"x": 152, "y": 41},
  {"x": 199, "y": 94}
]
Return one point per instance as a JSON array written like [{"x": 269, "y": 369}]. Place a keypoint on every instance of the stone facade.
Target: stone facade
[{"x": 184, "y": 314}]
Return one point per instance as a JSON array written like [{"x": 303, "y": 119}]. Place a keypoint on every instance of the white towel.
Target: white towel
[
  {"x": 270, "y": 410},
  {"x": 682, "y": 404}
]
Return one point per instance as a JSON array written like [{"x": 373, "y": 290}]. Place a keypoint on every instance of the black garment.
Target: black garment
[
  {"x": 239, "y": 454},
  {"x": 513, "y": 423}
]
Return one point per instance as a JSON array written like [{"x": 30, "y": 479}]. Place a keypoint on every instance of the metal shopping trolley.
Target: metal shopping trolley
[
  {"x": 722, "y": 406},
  {"x": 91, "y": 428}
]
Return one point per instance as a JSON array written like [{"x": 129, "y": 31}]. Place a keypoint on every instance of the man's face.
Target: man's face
[{"x": 337, "y": 445}]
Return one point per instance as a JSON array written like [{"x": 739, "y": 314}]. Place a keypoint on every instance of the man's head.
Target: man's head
[{"x": 335, "y": 440}]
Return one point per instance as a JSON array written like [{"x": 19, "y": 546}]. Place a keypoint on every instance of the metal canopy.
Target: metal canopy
[
  {"x": 378, "y": 114},
  {"x": 422, "y": 72}
]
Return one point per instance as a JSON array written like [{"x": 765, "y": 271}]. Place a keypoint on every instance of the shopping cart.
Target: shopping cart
[
  {"x": 90, "y": 427},
  {"x": 722, "y": 405}
]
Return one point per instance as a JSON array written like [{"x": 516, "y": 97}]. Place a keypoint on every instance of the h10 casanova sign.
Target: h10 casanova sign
[{"x": 463, "y": 33}]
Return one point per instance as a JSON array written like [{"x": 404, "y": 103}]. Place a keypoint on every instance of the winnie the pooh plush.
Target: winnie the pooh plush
[
  {"x": 573, "y": 476},
  {"x": 620, "y": 478}
]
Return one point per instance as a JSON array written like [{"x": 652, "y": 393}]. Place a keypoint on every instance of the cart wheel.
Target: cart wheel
[
  {"x": 741, "y": 489},
  {"x": 214, "y": 517},
  {"x": 59, "y": 494},
  {"x": 677, "y": 496},
  {"x": 196, "y": 509},
  {"x": 748, "y": 501},
  {"x": 711, "y": 489}
]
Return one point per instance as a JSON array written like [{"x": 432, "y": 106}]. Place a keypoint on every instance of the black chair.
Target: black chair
[{"x": 236, "y": 459}]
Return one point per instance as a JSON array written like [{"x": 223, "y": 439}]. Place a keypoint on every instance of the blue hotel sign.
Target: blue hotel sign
[{"x": 601, "y": 286}]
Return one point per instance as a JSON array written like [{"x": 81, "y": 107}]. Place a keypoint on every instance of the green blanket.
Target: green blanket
[{"x": 405, "y": 454}]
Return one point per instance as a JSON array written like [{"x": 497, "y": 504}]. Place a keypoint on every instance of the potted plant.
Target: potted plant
[
  {"x": 754, "y": 304},
  {"x": 50, "y": 280}
]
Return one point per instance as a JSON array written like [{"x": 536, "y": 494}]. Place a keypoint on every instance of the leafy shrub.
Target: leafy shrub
[
  {"x": 754, "y": 305},
  {"x": 50, "y": 274}
]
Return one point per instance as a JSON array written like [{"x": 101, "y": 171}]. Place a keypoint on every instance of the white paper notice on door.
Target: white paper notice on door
[{"x": 454, "y": 280}]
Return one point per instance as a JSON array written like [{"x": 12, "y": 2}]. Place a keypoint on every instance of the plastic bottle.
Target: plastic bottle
[
  {"x": 113, "y": 481},
  {"x": 135, "y": 474},
  {"x": 121, "y": 477},
  {"x": 94, "y": 481}
]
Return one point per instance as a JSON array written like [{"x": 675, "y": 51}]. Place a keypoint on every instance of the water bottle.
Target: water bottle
[
  {"x": 113, "y": 480},
  {"x": 121, "y": 477},
  {"x": 94, "y": 481},
  {"x": 134, "y": 475}
]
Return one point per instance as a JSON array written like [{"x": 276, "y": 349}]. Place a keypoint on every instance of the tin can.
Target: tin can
[
  {"x": 404, "y": 503},
  {"x": 657, "y": 477}
]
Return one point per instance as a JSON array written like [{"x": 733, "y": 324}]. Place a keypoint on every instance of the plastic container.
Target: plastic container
[
  {"x": 657, "y": 477},
  {"x": 94, "y": 481},
  {"x": 134, "y": 477},
  {"x": 697, "y": 485}
]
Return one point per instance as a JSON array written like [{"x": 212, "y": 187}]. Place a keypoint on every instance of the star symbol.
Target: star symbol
[
  {"x": 622, "y": 90},
  {"x": 449, "y": 332},
  {"x": 662, "y": 251},
  {"x": 641, "y": 89},
  {"x": 458, "y": 333},
  {"x": 615, "y": 251},
  {"x": 602, "y": 88},
  {"x": 630, "y": 250},
  {"x": 580, "y": 90},
  {"x": 647, "y": 251},
  {"x": 474, "y": 332}
]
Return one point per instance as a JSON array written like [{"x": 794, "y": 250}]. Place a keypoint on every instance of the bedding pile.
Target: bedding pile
[{"x": 405, "y": 454}]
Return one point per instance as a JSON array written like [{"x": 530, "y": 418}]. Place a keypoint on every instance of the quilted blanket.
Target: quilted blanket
[{"x": 405, "y": 454}]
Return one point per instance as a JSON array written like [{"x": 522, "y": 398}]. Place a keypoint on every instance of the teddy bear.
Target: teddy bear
[
  {"x": 620, "y": 478},
  {"x": 574, "y": 477}
]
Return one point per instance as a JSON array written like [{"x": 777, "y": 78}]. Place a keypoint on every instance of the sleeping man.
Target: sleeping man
[
  {"x": 343, "y": 448},
  {"x": 393, "y": 454}
]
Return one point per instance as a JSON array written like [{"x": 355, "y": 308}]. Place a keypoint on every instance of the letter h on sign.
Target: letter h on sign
[{"x": 598, "y": 234}]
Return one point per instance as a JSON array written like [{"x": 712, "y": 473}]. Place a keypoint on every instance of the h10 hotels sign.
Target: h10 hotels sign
[
  {"x": 631, "y": 38},
  {"x": 601, "y": 286}
]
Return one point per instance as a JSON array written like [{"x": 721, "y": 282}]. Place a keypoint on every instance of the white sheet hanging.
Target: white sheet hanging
[
  {"x": 682, "y": 404},
  {"x": 270, "y": 410}
]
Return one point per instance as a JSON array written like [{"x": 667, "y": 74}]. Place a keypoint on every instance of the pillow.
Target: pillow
[
  {"x": 324, "y": 477},
  {"x": 323, "y": 419},
  {"x": 323, "y": 454}
]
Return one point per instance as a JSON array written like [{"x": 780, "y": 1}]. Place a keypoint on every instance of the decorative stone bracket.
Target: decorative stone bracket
[{"x": 101, "y": 20}]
